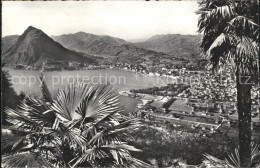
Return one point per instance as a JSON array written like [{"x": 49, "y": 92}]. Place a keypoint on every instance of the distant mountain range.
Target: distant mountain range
[
  {"x": 110, "y": 48},
  {"x": 81, "y": 41},
  {"x": 34, "y": 47},
  {"x": 186, "y": 46}
]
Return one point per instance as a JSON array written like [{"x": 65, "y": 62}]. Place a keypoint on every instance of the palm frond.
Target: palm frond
[
  {"x": 255, "y": 150},
  {"x": 219, "y": 49},
  {"x": 25, "y": 160},
  {"x": 20, "y": 119},
  {"x": 243, "y": 26},
  {"x": 46, "y": 95},
  {"x": 110, "y": 117},
  {"x": 104, "y": 102},
  {"x": 215, "y": 162},
  {"x": 247, "y": 55},
  {"x": 12, "y": 140},
  {"x": 33, "y": 110},
  {"x": 224, "y": 12},
  {"x": 234, "y": 159},
  {"x": 86, "y": 101},
  {"x": 221, "y": 41},
  {"x": 72, "y": 135},
  {"x": 90, "y": 156},
  {"x": 216, "y": 18},
  {"x": 69, "y": 102},
  {"x": 110, "y": 133},
  {"x": 37, "y": 109}
]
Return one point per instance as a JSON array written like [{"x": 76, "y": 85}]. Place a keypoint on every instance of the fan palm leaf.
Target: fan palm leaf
[
  {"x": 72, "y": 135},
  {"x": 234, "y": 159},
  {"x": 109, "y": 134},
  {"x": 37, "y": 109},
  {"x": 243, "y": 27},
  {"x": 215, "y": 162},
  {"x": 20, "y": 119},
  {"x": 25, "y": 159},
  {"x": 103, "y": 103},
  {"x": 11, "y": 140},
  {"x": 69, "y": 101},
  {"x": 90, "y": 156},
  {"x": 81, "y": 126}
]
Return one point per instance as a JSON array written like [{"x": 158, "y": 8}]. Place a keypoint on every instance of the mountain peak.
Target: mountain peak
[
  {"x": 32, "y": 33},
  {"x": 31, "y": 28},
  {"x": 35, "y": 47},
  {"x": 81, "y": 32}
]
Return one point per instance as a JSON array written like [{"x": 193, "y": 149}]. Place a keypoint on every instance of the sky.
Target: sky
[{"x": 128, "y": 20}]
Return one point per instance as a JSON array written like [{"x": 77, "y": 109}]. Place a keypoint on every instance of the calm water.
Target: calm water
[{"x": 27, "y": 80}]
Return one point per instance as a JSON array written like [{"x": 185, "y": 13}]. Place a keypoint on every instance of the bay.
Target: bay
[{"x": 122, "y": 80}]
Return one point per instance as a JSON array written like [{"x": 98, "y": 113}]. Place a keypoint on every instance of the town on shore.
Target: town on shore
[{"x": 195, "y": 98}]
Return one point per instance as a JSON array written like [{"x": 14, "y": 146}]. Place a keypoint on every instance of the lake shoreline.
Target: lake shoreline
[{"x": 21, "y": 82}]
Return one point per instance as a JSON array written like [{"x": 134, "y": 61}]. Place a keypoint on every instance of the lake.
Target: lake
[{"x": 123, "y": 80}]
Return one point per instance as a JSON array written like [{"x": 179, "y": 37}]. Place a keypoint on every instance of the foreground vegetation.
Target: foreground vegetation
[
  {"x": 77, "y": 128},
  {"x": 179, "y": 144},
  {"x": 182, "y": 146}
]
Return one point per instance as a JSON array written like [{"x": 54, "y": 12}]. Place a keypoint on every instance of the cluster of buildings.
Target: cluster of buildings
[
  {"x": 218, "y": 95},
  {"x": 154, "y": 70},
  {"x": 209, "y": 102}
]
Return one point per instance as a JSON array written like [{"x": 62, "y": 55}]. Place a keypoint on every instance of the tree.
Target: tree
[
  {"x": 231, "y": 37},
  {"x": 80, "y": 127},
  {"x": 9, "y": 97}
]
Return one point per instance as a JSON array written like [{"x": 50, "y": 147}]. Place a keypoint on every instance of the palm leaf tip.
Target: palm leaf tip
[{"x": 45, "y": 90}]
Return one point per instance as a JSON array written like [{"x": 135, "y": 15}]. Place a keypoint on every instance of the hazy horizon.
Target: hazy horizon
[{"x": 128, "y": 20}]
